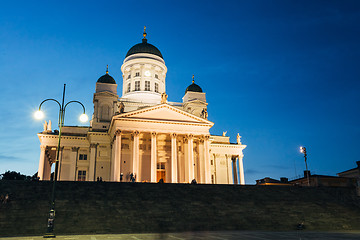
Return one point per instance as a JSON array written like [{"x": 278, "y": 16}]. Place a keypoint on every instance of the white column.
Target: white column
[
  {"x": 153, "y": 157},
  {"x": 234, "y": 167},
  {"x": 73, "y": 159},
  {"x": 185, "y": 163},
  {"x": 207, "y": 159},
  {"x": 229, "y": 168},
  {"x": 117, "y": 156},
  {"x": 92, "y": 162},
  {"x": 191, "y": 157},
  {"x": 136, "y": 155},
  {"x": 41, "y": 162},
  {"x": 174, "y": 178},
  {"x": 202, "y": 161},
  {"x": 60, "y": 163},
  {"x": 241, "y": 170}
]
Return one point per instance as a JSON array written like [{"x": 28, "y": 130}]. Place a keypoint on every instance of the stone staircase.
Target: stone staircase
[{"x": 106, "y": 207}]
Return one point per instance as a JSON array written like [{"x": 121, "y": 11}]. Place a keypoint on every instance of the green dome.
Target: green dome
[
  {"x": 193, "y": 88},
  {"x": 144, "y": 47},
  {"x": 106, "y": 79}
]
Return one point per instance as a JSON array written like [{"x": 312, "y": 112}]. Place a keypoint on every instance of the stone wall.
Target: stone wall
[{"x": 106, "y": 207}]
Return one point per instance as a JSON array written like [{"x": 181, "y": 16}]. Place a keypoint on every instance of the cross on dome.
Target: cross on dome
[{"x": 144, "y": 34}]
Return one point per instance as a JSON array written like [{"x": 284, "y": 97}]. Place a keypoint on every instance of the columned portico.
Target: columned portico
[{"x": 151, "y": 146}]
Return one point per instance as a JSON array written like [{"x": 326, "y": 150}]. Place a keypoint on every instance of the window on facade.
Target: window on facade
[
  {"x": 137, "y": 86},
  {"x": 81, "y": 175},
  {"x": 211, "y": 162},
  {"x": 156, "y": 87},
  {"x": 129, "y": 87},
  {"x": 137, "y": 74},
  {"x": 156, "y": 76},
  {"x": 147, "y": 85},
  {"x": 129, "y": 76},
  {"x": 82, "y": 156},
  {"x": 161, "y": 166}
]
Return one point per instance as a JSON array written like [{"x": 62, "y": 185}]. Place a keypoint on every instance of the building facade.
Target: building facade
[{"x": 141, "y": 136}]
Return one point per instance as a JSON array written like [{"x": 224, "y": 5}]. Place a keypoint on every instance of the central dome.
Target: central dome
[{"x": 144, "y": 47}]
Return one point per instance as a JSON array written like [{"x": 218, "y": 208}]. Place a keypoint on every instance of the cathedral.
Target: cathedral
[{"x": 142, "y": 137}]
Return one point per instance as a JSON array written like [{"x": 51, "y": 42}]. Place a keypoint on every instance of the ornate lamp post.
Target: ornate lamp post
[
  {"x": 39, "y": 114},
  {"x": 303, "y": 150}
]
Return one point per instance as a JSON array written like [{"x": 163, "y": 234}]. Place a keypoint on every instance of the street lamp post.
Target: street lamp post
[
  {"x": 303, "y": 150},
  {"x": 50, "y": 225}
]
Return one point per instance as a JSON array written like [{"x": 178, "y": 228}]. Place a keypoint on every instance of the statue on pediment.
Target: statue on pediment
[
  {"x": 238, "y": 139},
  {"x": 164, "y": 97}
]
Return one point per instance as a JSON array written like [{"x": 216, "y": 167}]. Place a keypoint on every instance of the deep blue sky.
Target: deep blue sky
[{"x": 281, "y": 73}]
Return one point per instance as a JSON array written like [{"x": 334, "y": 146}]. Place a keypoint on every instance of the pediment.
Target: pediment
[{"x": 165, "y": 113}]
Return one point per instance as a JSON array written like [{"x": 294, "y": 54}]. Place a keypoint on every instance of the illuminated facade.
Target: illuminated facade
[{"x": 141, "y": 136}]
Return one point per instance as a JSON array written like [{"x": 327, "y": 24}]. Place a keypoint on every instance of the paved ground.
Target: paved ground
[{"x": 243, "y": 235}]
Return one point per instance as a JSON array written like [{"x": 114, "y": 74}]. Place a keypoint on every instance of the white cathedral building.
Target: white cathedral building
[{"x": 141, "y": 136}]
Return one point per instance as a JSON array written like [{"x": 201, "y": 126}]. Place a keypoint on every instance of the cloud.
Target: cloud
[
  {"x": 277, "y": 166},
  {"x": 252, "y": 171},
  {"x": 7, "y": 158}
]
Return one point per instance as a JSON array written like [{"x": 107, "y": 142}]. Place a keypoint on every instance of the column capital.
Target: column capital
[
  {"x": 173, "y": 135},
  {"x": 74, "y": 149},
  {"x": 93, "y": 145},
  {"x": 136, "y": 133},
  {"x": 190, "y": 136},
  {"x": 118, "y": 132},
  {"x": 207, "y": 137},
  {"x": 42, "y": 147},
  {"x": 153, "y": 134}
]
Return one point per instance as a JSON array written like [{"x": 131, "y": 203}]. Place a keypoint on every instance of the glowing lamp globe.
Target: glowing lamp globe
[
  {"x": 84, "y": 117},
  {"x": 39, "y": 115}
]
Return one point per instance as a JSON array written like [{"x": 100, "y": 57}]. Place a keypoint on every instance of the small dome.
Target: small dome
[
  {"x": 193, "y": 88},
  {"x": 106, "y": 78},
  {"x": 144, "y": 47}
]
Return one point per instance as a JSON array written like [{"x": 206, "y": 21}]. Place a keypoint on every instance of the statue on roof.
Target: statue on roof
[
  {"x": 238, "y": 139},
  {"x": 204, "y": 113},
  {"x": 45, "y": 126},
  {"x": 164, "y": 97},
  {"x": 49, "y": 126}
]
